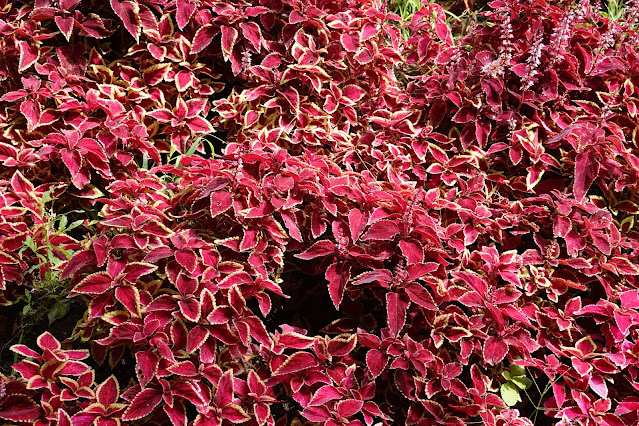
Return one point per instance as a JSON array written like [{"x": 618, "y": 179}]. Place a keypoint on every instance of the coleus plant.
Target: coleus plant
[{"x": 386, "y": 230}]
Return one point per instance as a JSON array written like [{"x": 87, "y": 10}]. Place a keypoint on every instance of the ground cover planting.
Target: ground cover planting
[{"x": 319, "y": 212}]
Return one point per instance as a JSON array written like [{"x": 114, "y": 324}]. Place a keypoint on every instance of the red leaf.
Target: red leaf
[
  {"x": 396, "y": 312},
  {"x": 29, "y": 54},
  {"x": 129, "y": 297},
  {"x": 495, "y": 350},
  {"x": 376, "y": 362},
  {"x": 65, "y": 25},
  {"x": 108, "y": 392},
  {"x": 220, "y": 202},
  {"x": 96, "y": 283},
  {"x": 349, "y": 407},
  {"x": 196, "y": 338},
  {"x": 31, "y": 111},
  {"x": 337, "y": 275},
  {"x": 225, "y": 390},
  {"x": 187, "y": 259},
  {"x": 184, "y": 12},
  {"x": 203, "y": 37},
  {"x": 143, "y": 404},
  {"x": 381, "y": 230},
  {"x": 129, "y": 13},
  {"x": 319, "y": 249},
  {"x": 251, "y": 31},
  {"x": 383, "y": 276},
  {"x": 229, "y": 37},
  {"x": 191, "y": 309},
  {"x": 586, "y": 171},
  {"x": 135, "y": 270},
  {"x": 19, "y": 408},
  {"x": 297, "y": 362}
]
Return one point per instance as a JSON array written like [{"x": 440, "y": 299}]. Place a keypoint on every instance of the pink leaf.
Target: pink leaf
[
  {"x": 324, "y": 394},
  {"x": 220, "y": 202},
  {"x": 586, "y": 171},
  {"x": 229, "y": 37},
  {"x": 96, "y": 283},
  {"x": 316, "y": 414},
  {"x": 396, "y": 312},
  {"x": 251, "y": 31},
  {"x": 369, "y": 31},
  {"x": 319, "y": 249},
  {"x": 291, "y": 224},
  {"x": 129, "y": 13},
  {"x": 357, "y": 223},
  {"x": 350, "y": 42},
  {"x": 376, "y": 362},
  {"x": 381, "y": 230},
  {"x": 495, "y": 350},
  {"x": 184, "y": 12},
  {"x": 364, "y": 56},
  {"x": 143, "y": 404},
  {"x": 19, "y": 408},
  {"x": 349, "y": 407},
  {"x": 65, "y": 25},
  {"x": 31, "y": 111},
  {"x": 162, "y": 115},
  {"x": 29, "y": 54},
  {"x": 296, "y": 362},
  {"x": 203, "y": 37},
  {"x": 337, "y": 275}
]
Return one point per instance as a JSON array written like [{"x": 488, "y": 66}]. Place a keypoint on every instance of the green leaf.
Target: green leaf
[
  {"x": 510, "y": 394},
  {"x": 59, "y": 310},
  {"x": 517, "y": 370},
  {"x": 62, "y": 223},
  {"x": 522, "y": 382}
]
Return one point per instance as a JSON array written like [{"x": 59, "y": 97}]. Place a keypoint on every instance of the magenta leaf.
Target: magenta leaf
[
  {"x": 143, "y": 404},
  {"x": 586, "y": 171},
  {"x": 382, "y": 230},
  {"x": 129, "y": 13}
]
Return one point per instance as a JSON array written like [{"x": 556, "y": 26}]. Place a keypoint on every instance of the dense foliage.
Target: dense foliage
[{"x": 273, "y": 212}]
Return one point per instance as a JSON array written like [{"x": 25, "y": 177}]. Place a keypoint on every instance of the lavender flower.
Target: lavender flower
[{"x": 534, "y": 60}]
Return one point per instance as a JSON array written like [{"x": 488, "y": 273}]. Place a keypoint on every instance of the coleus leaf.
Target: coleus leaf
[
  {"x": 495, "y": 350},
  {"x": 29, "y": 54},
  {"x": 129, "y": 13},
  {"x": 203, "y": 37},
  {"x": 65, "y": 25},
  {"x": 376, "y": 362},
  {"x": 96, "y": 283},
  {"x": 396, "y": 307},
  {"x": 382, "y": 230},
  {"x": 586, "y": 171},
  {"x": 185, "y": 10},
  {"x": 338, "y": 275},
  {"x": 319, "y": 249},
  {"x": 19, "y": 408},
  {"x": 296, "y": 362},
  {"x": 143, "y": 404},
  {"x": 229, "y": 38}
]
